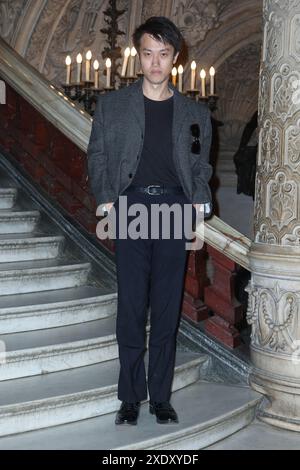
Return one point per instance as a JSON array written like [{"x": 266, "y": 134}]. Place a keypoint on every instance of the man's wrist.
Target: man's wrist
[{"x": 203, "y": 207}]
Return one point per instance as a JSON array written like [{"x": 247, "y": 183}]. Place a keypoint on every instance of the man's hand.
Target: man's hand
[
  {"x": 199, "y": 207},
  {"x": 107, "y": 206}
]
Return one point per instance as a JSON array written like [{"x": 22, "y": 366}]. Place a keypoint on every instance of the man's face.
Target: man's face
[{"x": 157, "y": 59}]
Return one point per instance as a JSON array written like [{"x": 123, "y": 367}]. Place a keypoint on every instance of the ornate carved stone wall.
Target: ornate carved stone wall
[
  {"x": 42, "y": 32},
  {"x": 78, "y": 30},
  {"x": 151, "y": 8},
  {"x": 68, "y": 30},
  {"x": 10, "y": 12},
  {"x": 196, "y": 19},
  {"x": 238, "y": 93},
  {"x": 277, "y": 211}
]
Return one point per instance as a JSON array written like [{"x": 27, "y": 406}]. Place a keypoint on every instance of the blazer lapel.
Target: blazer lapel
[
  {"x": 137, "y": 103},
  {"x": 179, "y": 113}
]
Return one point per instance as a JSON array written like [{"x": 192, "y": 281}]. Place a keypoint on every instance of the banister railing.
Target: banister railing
[
  {"x": 48, "y": 135},
  {"x": 227, "y": 240}
]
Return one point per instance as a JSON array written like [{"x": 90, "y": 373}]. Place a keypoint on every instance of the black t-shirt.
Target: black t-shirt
[{"x": 156, "y": 164}]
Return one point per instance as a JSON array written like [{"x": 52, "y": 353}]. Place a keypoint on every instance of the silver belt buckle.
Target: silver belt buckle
[{"x": 152, "y": 186}]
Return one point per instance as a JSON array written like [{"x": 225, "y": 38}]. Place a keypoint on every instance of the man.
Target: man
[{"x": 150, "y": 144}]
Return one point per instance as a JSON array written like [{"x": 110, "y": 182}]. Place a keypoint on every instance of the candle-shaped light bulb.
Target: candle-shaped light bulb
[
  {"x": 133, "y": 53},
  {"x": 125, "y": 61},
  {"x": 174, "y": 75},
  {"x": 79, "y": 62},
  {"x": 180, "y": 75},
  {"x": 108, "y": 72},
  {"x": 202, "y": 76},
  {"x": 212, "y": 73},
  {"x": 96, "y": 68},
  {"x": 68, "y": 64},
  {"x": 193, "y": 74},
  {"x": 88, "y": 57}
]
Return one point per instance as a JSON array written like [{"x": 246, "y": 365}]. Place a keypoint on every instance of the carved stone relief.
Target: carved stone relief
[
  {"x": 263, "y": 98},
  {"x": 75, "y": 32},
  {"x": 196, "y": 18},
  {"x": 274, "y": 316},
  {"x": 238, "y": 91},
  {"x": 269, "y": 146},
  {"x": 274, "y": 35},
  {"x": 259, "y": 200},
  {"x": 282, "y": 201},
  {"x": 291, "y": 153},
  {"x": 278, "y": 153},
  {"x": 41, "y": 32},
  {"x": 9, "y": 16},
  {"x": 282, "y": 89},
  {"x": 151, "y": 8},
  {"x": 294, "y": 46}
]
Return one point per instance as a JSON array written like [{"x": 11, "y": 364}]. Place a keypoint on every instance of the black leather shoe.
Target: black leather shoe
[
  {"x": 128, "y": 413},
  {"x": 164, "y": 412}
]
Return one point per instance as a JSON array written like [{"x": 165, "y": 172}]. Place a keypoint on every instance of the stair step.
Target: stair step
[
  {"x": 18, "y": 221},
  {"x": 260, "y": 436},
  {"x": 81, "y": 393},
  {"x": 24, "y": 235},
  {"x": 19, "y": 249},
  {"x": 51, "y": 309},
  {"x": 7, "y": 197},
  {"x": 41, "y": 275},
  {"x": 54, "y": 349},
  {"x": 207, "y": 412}
]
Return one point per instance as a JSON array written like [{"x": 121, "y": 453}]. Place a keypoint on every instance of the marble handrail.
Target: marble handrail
[
  {"x": 227, "y": 240},
  {"x": 76, "y": 125}
]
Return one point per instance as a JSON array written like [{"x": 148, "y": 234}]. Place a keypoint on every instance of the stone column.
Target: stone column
[{"x": 274, "y": 289}]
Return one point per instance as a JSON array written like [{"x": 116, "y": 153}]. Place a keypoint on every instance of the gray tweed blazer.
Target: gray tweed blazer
[{"x": 116, "y": 143}]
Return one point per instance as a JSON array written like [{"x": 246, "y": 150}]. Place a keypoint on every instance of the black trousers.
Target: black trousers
[{"x": 149, "y": 272}]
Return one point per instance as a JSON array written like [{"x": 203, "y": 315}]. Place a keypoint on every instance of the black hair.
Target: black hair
[{"x": 162, "y": 29}]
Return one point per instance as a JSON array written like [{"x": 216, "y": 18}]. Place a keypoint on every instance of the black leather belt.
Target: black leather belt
[{"x": 156, "y": 189}]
